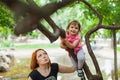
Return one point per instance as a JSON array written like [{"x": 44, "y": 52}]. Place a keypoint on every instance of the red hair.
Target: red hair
[{"x": 34, "y": 64}]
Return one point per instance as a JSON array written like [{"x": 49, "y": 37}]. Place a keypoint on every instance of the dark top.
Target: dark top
[{"x": 35, "y": 75}]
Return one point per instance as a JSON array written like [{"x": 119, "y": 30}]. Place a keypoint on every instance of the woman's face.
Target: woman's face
[{"x": 42, "y": 57}]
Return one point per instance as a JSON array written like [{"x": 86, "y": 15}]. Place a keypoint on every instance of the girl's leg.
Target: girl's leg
[
  {"x": 74, "y": 63},
  {"x": 81, "y": 58}
]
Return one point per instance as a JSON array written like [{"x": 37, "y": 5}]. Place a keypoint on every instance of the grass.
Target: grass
[
  {"x": 118, "y": 48},
  {"x": 8, "y": 44},
  {"x": 32, "y": 46}
]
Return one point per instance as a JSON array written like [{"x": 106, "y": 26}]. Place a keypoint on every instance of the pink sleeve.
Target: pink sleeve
[{"x": 77, "y": 38}]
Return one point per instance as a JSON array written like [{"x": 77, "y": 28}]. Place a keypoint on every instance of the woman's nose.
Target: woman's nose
[{"x": 44, "y": 56}]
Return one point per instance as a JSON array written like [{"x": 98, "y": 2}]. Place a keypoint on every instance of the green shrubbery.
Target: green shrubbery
[{"x": 6, "y": 44}]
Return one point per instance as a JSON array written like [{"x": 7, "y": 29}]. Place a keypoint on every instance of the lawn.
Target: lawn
[
  {"x": 118, "y": 48},
  {"x": 32, "y": 46}
]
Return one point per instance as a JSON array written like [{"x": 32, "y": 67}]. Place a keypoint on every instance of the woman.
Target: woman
[{"x": 43, "y": 69}]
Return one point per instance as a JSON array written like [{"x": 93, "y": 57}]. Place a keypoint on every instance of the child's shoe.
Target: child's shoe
[{"x": 80, "y": 73}]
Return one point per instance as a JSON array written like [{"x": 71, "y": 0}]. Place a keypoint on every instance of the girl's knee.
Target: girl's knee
[{"x": 81, "y": 59}]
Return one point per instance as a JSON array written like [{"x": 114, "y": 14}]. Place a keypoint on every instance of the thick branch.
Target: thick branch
[
  {"x": 46, "y": 10},
  {"x": 28, "y": 24},
  {"x": 110, "y": 27},
  {"x": 87, "y": 36},
  {"x": 52, "y": 37}
]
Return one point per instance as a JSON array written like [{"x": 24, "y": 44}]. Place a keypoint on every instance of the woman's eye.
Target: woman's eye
[{"x": 39, "y": 55}]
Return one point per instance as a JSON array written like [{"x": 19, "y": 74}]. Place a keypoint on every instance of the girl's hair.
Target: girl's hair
[
  {"x": 34, "y": 63},
  {"x": 74, "y": 22}
]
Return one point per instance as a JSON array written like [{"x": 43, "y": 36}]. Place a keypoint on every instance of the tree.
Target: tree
[{"x": 32, "y": 14}]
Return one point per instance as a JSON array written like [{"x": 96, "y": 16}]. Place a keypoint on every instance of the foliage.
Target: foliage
[
  {"x": 34, "y": 34},
  {"x": 87, "y": 17},
  {"x": 6, "y": 21},
  {"x": 6, "y": 17},
  {"x": 109, "y": 9},
  {"x": 119, "y": 72},
  {"x": 6, "y": 44},
  {"x": 118, "y": 48},
  {"x": 4, "y": 32}
]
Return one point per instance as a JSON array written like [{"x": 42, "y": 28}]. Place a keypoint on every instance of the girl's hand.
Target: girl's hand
[
  {"x": 62, "y": 45},
  {"x": 62, "y": 39}
]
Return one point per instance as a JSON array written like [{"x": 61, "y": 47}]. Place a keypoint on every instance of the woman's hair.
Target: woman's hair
[
  {"x": 74, "y": 22},
  {"x": 34, "y": 63}
]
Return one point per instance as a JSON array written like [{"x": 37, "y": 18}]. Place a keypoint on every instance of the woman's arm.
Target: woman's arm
[{"x": 66, "y": 69}]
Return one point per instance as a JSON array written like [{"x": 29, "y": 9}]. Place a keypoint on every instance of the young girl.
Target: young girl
[{"x": 72, "y": 41}]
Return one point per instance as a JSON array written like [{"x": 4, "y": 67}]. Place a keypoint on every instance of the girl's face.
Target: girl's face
[
  {"x": 73, "y": 29},
  {"x": 42, "y": 57}
]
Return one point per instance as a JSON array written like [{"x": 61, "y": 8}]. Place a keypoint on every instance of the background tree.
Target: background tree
[
  {"x": 108, "y": 8},
  {"x": 6, "y": 21}
]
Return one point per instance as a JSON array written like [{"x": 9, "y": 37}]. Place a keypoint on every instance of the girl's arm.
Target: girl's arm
[
  {"x": 66, "y": 69},
  {"x": 71, "y": 45}
]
